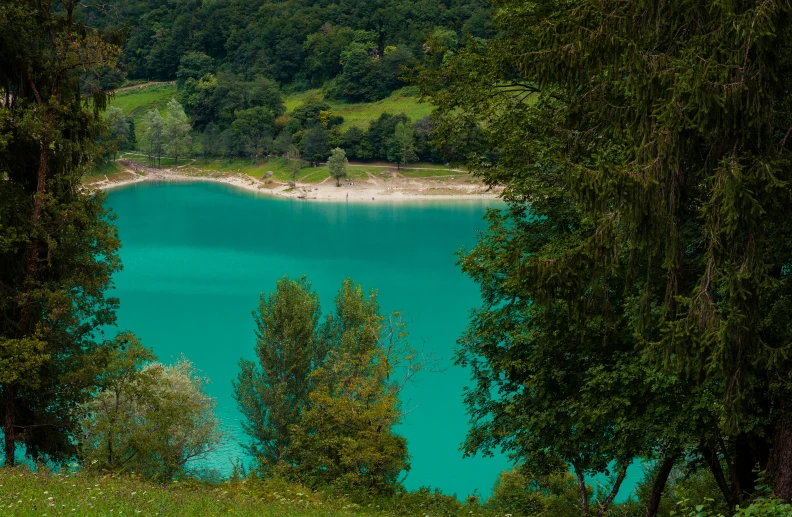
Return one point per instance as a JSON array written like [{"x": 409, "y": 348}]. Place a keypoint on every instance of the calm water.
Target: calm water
[{"x": 197, "y": 255}]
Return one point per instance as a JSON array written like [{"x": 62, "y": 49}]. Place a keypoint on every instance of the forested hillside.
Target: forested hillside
[
  {"x": 232, "y": 62},
  {"x": 361, "y": 45}
]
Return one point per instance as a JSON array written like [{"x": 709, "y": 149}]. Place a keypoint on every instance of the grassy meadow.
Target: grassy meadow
[
  {"x": 137, "y": 101},
  {"x": 404, "y": 101},
  {"x": 26, "y": 494}
]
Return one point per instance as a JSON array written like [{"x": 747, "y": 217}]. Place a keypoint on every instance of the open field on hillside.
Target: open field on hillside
[
  {"x": 401, "y": 101},
  {"x": 137, "y": 100}
]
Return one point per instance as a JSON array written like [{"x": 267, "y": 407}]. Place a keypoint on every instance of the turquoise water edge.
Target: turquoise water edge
[{"x": 197, "y": 255}]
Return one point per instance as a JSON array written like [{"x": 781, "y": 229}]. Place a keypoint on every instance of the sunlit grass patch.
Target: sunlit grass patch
[{"x": 24, "y": 493}]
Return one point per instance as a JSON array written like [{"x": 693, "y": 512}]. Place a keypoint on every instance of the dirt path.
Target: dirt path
[{"x": 142, "y": 85}]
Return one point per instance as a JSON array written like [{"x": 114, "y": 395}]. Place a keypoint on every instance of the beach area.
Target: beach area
[{"x": 387, "y": 185}]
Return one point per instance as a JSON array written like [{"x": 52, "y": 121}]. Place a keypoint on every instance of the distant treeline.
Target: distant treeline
[{"x": 357, "y": 47}]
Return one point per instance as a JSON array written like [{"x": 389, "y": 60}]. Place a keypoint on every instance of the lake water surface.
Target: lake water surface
[{"x": 197, "y": 255}]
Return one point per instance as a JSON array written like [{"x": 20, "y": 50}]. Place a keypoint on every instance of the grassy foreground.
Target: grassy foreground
[{"x": 24, "y": 493}]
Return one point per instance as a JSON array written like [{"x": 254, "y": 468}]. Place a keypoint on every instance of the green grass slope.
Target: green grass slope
[
  {"x": 137, "y": 101},
  {"x": 401, "y": 101},
  {"x": 27, "y": 494}
]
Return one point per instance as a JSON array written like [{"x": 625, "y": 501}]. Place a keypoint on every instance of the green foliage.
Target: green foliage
[
  {"x": 193, "y": 65},
  {"x": 644, "y": 160},
  {"x": 337, "y": 164},
  {"x": 148, "y": 418},
  {"x": 322, "y": 403},
  {"x": 58, "y": 247},
  {"x": 273, "y": 393},
  {"x": 120, "y": 129},
  {"x": 522, "y": 495},
  {"x": 315, "y": 144},
  {"x": 153, "y": 139},
  {"x": 401, "y": 146},
  {"x": 302, "y": 43},
  {"x": 176, "y": 131},
  {"x": 345, "y": 437}
]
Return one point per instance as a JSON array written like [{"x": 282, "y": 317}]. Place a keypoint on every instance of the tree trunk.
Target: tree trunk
[
  {"x": 603, "y": 507},
  {"x": 584, "y": 507},
  {"x": 781, "y": 457},
  {"x": 659, "y": 485},
  {"x": 713, "y": 462},
  {"x": 9, "y": 425}
]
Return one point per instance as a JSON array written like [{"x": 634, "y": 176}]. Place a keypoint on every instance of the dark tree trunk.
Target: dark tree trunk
[
  {"x": 603, "y": 507},
  {"x": 710, "y": 456},
  {"x": 584, "y": 507},
  {"x": 9, "y": 424},
  {"x": 659, "y": 485},
  {"x": 781, "y": 457}
]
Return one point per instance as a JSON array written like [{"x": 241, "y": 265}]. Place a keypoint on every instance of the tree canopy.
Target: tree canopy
[
  {"x": 643, "y": 151},
  {"x": 58, "y": 247}
]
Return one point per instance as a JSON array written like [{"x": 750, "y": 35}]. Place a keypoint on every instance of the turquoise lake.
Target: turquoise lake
[{"x": 197, "y": 255}]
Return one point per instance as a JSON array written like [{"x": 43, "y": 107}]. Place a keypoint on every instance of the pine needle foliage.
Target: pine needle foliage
[{"x": 643, "y": 147}]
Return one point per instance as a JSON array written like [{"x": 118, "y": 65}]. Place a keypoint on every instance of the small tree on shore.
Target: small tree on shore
[
  {"x": 401, "y": 147},
  {"x": 293, "y": 155},
  {"x": 154, "y": 136},
  {"x": 176, "y": 130},
  {"x": 119, "y": 128},
  {"x": 337, "y": 163}
]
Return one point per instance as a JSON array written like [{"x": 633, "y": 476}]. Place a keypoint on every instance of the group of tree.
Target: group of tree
[
  {"x": 66, "y": 390},
  {"x": 315, "y": 131},
  {"x": 321, "y": 403},
  {"x": 357, "y": 47},
  {"x": 636, "y": 290},
  {"x": 170, "y": 135}
]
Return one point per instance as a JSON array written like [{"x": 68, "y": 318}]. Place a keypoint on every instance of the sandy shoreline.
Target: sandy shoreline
[{"x": 397, "y": 188}]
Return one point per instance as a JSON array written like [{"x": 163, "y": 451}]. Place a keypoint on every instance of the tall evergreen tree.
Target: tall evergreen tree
[
  {"x": 653, "y": 137},
  {"x": 58, "y": 248},
  {"x": 273, "y": 392}
]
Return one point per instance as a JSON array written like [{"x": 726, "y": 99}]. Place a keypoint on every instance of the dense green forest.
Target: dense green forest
[
  {"x": 232, "y": 60},
  {"x": 636, "y": 288},
  {"x": 359, "y": 45}
]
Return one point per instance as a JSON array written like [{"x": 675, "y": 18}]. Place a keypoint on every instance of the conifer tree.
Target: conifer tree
[
  {"x": 651, "y": 140},
  {"x": 273, "y": 392},
  {"x": 58, "y": 248}
]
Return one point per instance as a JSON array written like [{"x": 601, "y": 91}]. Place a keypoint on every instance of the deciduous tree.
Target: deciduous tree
[
  {"x": 176, "y": 131},
  {"x": 149, "y": 418},
  {"x": 652, "y": 141},
  {"x": 337, "y": 164}
]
